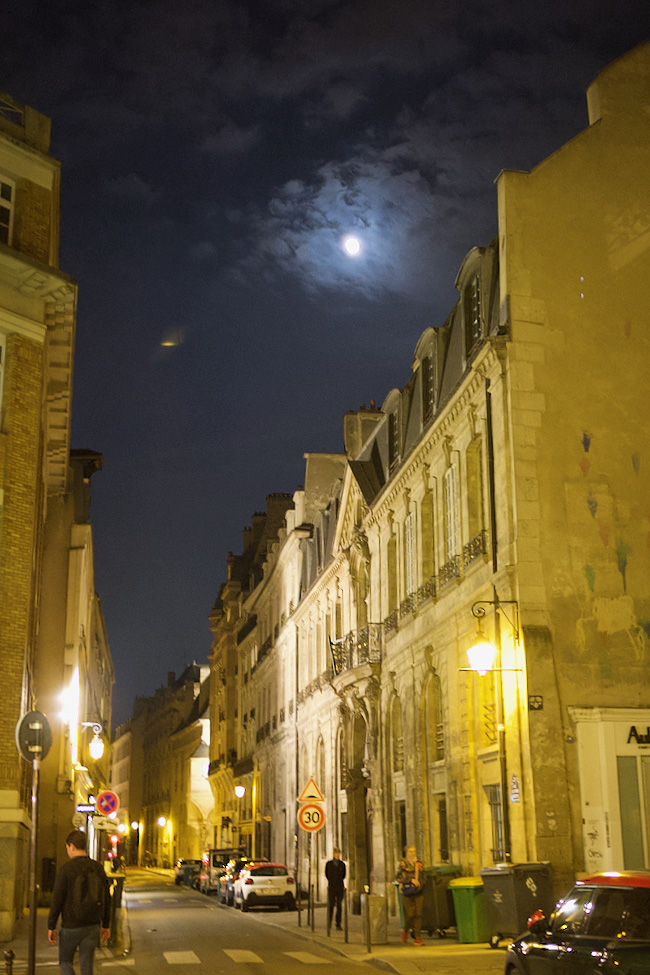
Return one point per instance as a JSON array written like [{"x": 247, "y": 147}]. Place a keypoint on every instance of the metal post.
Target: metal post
[
  {"x": 31, "y": 946},
  {"x": 501, "y": 734},
  {"x": 313, "y": 912},
  {"x": 345, "y": 920},
  {"x": 329, "y": 912},
  {"x": 9, "y": 961},
  {"x": 299, "y": 903},
  {"x": 366, "y": 917}
]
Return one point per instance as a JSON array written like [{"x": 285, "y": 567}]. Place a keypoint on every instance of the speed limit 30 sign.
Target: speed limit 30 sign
[{"x": 311, "y": 817}]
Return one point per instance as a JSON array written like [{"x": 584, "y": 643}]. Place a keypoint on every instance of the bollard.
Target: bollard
[
  {"x": 9, "y": 961},
  {"x": 366, "y": 917}
]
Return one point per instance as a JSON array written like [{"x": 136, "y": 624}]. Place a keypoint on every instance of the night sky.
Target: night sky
[{"x": 214, "y": 154}]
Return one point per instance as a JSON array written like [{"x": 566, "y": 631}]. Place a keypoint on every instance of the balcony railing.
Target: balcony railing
[{"x": 359, "y": 647}]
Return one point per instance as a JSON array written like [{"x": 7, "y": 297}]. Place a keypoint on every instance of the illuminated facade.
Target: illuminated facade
[
  {"x": 37, "y": 328},
  {"x": 164, "y": 768},
  {"x": 504, "y": 485}
]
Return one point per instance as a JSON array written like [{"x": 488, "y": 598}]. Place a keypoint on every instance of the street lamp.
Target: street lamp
[
  {"x": 96, "y": 746},
  {"x": 484, "y": 657},
  {"x": 240, "y": 791}
]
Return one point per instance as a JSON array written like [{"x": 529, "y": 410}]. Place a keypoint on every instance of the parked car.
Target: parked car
[
  {"x": 184, "y": 871},
  {"x": 213, "y": 865},
  {"x": 227, "y": 879},
  {"x": 259, "y": 884},
  {"x": 601, "y": 927}
]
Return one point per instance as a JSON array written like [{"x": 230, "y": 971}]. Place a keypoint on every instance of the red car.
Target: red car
[{"x": 601, "y": 927}]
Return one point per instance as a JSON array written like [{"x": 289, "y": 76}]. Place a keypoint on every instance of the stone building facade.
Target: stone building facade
[
  {"x": 160, "y": 765},
  {"x": 500, "y": 492},
  {"x": 37, "y": 483}
]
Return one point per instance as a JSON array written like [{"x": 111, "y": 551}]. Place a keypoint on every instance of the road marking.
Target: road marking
[
  {"x": 170, "y": 900},
  {"x": 307, "y": 957},
  {"x": 143, "y": 901},
  {"x": 119, "y": 961},
  {"x": 241, "y": 955},
  {"x": 181, "y": 958}
]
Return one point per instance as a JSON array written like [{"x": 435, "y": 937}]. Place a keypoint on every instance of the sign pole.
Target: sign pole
[{"x": 31, "y": 955}]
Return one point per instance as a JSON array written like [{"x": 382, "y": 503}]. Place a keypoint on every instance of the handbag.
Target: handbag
[{"x": 409, "y": 889}]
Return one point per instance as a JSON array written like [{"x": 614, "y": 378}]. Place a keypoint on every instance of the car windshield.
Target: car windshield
[
  {"x": 605, "y": 912},
  {"x": 269, "y": 870}
]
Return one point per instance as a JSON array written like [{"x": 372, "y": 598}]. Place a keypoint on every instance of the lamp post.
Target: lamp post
[
  {"x": 484, "y": 657},
  {"x": 96, "y": 745},
  {"x": 240, "y": 792}
]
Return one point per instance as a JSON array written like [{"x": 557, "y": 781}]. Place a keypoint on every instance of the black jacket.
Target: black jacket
[
  {"x": 335, "y": 873},
  {"x": 62, "y": 894}
]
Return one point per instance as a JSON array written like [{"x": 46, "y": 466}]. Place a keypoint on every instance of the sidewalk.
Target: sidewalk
[
  {"x": 46, "y": 954},
  {"x": 444, "y": 956}
]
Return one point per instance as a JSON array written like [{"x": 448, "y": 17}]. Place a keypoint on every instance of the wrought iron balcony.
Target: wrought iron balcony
[{"x": 359, "y": 647}]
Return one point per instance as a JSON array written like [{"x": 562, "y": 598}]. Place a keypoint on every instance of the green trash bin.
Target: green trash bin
[{"x": 469, "y": 904}]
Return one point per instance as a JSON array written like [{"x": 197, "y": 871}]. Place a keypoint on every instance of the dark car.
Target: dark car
[{"x": 601, "y": 927}]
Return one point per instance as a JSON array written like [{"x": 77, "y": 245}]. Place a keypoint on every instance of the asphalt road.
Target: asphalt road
[{"x": 177, "y": 928}]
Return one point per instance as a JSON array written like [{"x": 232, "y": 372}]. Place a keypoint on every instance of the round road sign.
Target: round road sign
[
  {"x": 107, "y": 802},
  {"x": 311, "y": 817},
  {"x": 33, "y": 736}
]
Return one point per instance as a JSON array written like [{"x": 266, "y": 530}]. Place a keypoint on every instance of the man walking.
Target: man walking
[
  {"x": 335, "y": 874},
  {"x": 82, "y": 897}
]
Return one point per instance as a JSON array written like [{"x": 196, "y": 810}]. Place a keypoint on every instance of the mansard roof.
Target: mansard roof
[{"x": 441, "y": 359}]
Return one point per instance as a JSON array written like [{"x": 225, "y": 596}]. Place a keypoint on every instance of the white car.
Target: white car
[{"x": 259, "y": 884}]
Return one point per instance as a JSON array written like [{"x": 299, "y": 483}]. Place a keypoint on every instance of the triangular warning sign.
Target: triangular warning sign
[{"x": 311, "y": 792}]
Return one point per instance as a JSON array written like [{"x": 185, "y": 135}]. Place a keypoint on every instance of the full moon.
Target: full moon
[{"x": 352, "y": 246}]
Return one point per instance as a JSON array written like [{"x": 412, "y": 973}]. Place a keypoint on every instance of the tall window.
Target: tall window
[
  {"x": 7, "y": 198},
  {"x": 434, "y": 729},
  {"x": 397, "y": 736},
  {"x": 493, "y": 793},
  {"x": 474, "y": 488},
  {"x": 428, "y": 562},
  {"x": 409, "y": 553},
  {"x": 452, "y": 514},
  {"x": 472, "y": 313},
  {"x": 391, "y": 559}
]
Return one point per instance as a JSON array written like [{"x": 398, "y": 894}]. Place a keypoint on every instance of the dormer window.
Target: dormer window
[
  {"x": 472, "y": 313},
  {"x": 427, "y": 388},
  {"x": 393, "y": 439}
]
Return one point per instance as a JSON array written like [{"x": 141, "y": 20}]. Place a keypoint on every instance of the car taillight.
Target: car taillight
[
  {"x": 249, "y": 880},
  {"x": 289, "y": 880}
]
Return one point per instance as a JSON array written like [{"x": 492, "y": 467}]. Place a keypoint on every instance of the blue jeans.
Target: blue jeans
[{"x": 86, "y": 939}]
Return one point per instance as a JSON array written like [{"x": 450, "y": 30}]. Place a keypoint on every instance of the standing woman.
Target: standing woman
[{"x": 410, "y": 877}]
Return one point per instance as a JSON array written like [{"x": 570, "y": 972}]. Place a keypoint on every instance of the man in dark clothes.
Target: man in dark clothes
[
  {"x": 335, "y": 874},
  {"x": 80, "y": 928}
]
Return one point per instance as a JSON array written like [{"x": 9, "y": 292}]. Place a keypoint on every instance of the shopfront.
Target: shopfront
[{"x": 614, "y": 763}]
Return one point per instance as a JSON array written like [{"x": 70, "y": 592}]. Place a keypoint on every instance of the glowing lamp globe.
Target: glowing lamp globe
[
  {"x": 481, "y": 656},
  {"x": 162, "y": 821},
  {"x": 240, "y": 791},
  {"x": 96, "y": 748}
]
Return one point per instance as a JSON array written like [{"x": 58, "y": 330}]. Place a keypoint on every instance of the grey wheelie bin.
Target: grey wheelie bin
[
  {"x": 514, "y": 891},
  {"x": 438, "y": 912}
]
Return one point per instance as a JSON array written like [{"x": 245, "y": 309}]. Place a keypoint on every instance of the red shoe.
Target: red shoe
[
  {"x": 419, "y": 941},
  {"x": 405, "y": 936}
]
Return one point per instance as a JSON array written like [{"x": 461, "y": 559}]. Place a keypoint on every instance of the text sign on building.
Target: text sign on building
[
  {"x": 311, "y": 817},
  {"x": 103, "y": 822},
  {"x": 107, "y": 802},
  {"x": 311, "y": 792},
  {"x": 86, "y": 807}
]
